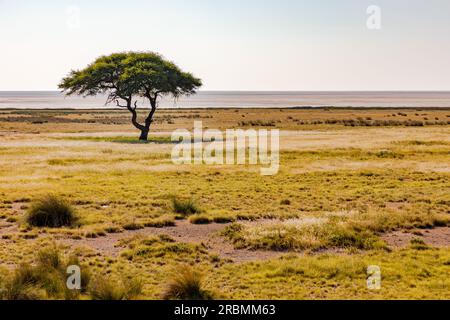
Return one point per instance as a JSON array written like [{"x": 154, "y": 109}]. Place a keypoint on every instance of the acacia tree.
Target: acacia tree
[{"x": 129, "y": 75}]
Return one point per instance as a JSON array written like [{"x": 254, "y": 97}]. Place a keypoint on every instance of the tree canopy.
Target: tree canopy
[{"x": 125, "y": 76}]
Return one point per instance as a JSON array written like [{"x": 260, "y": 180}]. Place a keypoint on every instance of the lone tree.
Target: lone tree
[{"x": 129, "y": 75}]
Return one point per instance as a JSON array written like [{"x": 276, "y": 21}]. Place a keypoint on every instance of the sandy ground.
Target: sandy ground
[
  {"x": 437, "y": 237},
  {"x": 209, "y": 236}
]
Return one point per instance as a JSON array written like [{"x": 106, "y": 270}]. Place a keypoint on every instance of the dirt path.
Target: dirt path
[
  {"x": 209, "y": 235},
  {"x": 183, "y": 231}
]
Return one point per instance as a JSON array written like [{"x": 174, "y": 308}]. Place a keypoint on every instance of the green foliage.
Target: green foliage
[
  {"x": 125, "y": 75},
  {"x": 149, "y": 73},
  {"x": 51, "y": 211}
]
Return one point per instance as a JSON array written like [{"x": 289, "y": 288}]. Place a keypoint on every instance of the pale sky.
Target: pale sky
[{"x": 235, "y": 45}]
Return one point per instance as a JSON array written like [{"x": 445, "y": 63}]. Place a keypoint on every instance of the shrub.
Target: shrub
[
  {"x": 51, "y": 211},
  {"x": 186, "y": 284},
  {"x": 185, "y": 207},
  {"x": 103, "y": 288},
  {"x": 199, "y": 219}
]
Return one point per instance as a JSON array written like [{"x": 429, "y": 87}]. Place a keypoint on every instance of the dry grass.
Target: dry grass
[
  {"x": 357, "y": 182},
  {"x": 107, "y": 288},
  {"x": 51, "y": 211},
  {"x": 186, "y": 284}
]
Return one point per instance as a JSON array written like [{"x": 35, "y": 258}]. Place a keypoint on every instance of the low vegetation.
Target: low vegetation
[
  {"x": 51, "y": 211},
  {"x": 345, "y": 188},
  {"x": 346, "y": 230},
  {"x": 185, "y": 207},
  {"x": 108, "y": 288},
  {"x": 199, "y": 219},
  {"x": 45, "y": 279},
  {"x": 162, "y": 247},
  {"x": 186, "y": 284}
]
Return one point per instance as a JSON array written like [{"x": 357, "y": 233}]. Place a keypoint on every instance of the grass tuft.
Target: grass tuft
[
  {"x": 186, "y": 284},
  {"x": 199, "y": 219},
  {"x": 418, "y": 244},
  {"x": 133, "y": 226},
  {"x": 51, "y": 211},
  {"x": 160, "y": 222},
  {"x": 185, "y": 207},
  {"x": 45, "y": 279},
  {"x": 224, "y": 219},
  {"x": 106, "y": 288}
]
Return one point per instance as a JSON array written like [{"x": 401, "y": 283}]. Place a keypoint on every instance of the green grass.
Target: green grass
[
  {"x": 406, "y": 274},
  {"x": 121, "y": 139},
  {"x": 357, "y": 190}
]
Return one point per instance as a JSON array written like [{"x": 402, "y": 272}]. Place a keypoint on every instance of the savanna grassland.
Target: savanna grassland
[{"x": 356, "y": 187}]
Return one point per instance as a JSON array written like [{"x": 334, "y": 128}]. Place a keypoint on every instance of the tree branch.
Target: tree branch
[
  {"x": 117, "y": 102},
  {"x": 134, "y": 115}
]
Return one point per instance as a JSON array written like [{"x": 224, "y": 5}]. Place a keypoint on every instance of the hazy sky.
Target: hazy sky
[{"x": 235, "y": 45}]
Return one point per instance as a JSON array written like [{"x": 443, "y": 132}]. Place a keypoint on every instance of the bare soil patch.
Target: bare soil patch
[
  {"x": 436, "y": 237},
  {"x": 183, "y": 231}
]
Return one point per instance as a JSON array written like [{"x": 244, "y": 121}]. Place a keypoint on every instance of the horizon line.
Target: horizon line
[{"x": 316, "y": 91}]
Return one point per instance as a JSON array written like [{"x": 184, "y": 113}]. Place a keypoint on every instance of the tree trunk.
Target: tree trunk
[
  {"x": 145, "y": 129},
  {"x": 148, "y": 121},
  {"x": 144, "y": 135}
]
